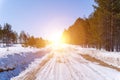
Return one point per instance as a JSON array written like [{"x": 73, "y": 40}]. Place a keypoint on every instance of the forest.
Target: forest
[
  {"x": 8, "y": 37},
  {"x": 100, "y": 30}
]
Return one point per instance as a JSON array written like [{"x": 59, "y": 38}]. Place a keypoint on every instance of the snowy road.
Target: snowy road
[{"x": 65, "y": 63}]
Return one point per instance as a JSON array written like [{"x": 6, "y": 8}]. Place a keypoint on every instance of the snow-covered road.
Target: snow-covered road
[{"x": 65, "y": 63}]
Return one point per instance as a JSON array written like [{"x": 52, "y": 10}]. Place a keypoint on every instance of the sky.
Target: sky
[{"x": 43, "y": 18}]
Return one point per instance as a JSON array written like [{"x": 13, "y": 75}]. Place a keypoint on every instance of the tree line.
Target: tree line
[
  {"x": 100, "y": 30},
  {"x": 9, "y": 37}
]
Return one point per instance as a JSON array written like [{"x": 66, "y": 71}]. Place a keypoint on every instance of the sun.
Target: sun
[{"x": 56, "y": 38}]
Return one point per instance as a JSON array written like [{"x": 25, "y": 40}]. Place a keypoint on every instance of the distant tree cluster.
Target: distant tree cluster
[
  {"x": 27, "y": 40},
  {"x": 9, "y": 37},
  {"x": 35, "y": 42},
  {"x": 100, "y": 30}
]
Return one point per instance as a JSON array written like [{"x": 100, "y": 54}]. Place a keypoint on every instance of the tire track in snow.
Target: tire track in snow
[{"x": 92, "y": 59}]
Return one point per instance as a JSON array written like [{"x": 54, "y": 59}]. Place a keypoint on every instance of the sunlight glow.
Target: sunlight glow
[
  {"x": 57, "y": 42},
  {"x": 56, "y": 39}
]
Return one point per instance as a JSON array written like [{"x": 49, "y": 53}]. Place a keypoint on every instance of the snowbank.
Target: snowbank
[
  {"x": 111, "y": 58},
  {"x": 15, "y": 49},
  {"x": 17, "y": 59}
]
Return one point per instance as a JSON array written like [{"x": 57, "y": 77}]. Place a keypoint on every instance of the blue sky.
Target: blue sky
[{"x": 43, "y": 17}]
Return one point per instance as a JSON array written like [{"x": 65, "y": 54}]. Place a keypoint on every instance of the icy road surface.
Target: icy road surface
[{"x": 65, "y": 63}]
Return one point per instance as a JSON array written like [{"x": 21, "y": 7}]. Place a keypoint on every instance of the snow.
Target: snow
[
  {"x": 17, "y": 59},
  {"x": 66, "y": 63},
  {"x": 15, "y": 49},
  {"x": 62, "y": 62},
  {"x": 111, "y": 58}
]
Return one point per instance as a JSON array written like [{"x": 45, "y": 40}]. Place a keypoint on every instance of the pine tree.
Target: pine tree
[
  {"x": 77, "y": 33},
  {"x": 0, "y": 33},
  {"x": 108, "y": 14},
  {"x": 23, "y": 37},
  {"x": 7, "y": 34}
]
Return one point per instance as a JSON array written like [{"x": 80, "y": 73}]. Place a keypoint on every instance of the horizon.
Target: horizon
[{"x": 43, "y": 18}]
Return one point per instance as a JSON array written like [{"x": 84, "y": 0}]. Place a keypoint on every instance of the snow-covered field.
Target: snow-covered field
[{"x": 60, "y": 63}]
